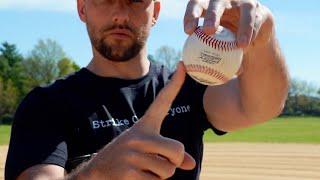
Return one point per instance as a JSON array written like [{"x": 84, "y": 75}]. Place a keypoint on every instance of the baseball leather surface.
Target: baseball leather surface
[{"x": 212, "y": 60}]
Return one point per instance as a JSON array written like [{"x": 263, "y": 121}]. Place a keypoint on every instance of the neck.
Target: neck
[{"x": 131, "y": 69}]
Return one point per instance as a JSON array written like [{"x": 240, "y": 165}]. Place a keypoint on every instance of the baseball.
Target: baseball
[{"x": 212, "y": 60}]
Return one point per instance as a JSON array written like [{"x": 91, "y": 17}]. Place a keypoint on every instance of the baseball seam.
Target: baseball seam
[
  {"x": 207, "y": 70},
  {"x": 215, "y": 43}
]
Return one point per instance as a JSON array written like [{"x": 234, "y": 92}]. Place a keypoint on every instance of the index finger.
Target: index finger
[{"x": 158, "y": 110}]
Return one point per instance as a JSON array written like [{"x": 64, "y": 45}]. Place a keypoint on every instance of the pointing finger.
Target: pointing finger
[
  {"x": 158, "y": 110},
  {"x": 213, "y": 16}
]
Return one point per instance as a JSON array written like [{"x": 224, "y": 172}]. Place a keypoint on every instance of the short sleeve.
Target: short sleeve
[
  {"x": 198, "y": 91},
  {"x": 37, "y": 136}
]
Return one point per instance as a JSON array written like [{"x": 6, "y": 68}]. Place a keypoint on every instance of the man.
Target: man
[{"x": 105, "y": 121}]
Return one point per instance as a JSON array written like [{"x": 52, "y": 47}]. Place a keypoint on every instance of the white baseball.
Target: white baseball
[{"x": 212, "y": 60}]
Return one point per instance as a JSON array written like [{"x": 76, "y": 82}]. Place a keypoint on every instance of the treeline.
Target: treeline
[
  {"x": 303, "y": 99},
  {"x": 47, "y": 62}
]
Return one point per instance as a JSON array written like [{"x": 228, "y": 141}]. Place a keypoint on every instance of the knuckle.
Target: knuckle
[
  {"x": 167, "y": 168},
  {"x": 179, "y": 149},
  {"x": 131, "y": 156},
  {"x": 131, "y": 173},
  {"x": 170, "y": 171},
  {"x": 135, "y": 140}
]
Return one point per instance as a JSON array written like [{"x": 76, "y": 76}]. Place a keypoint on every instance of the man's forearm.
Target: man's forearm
[{"x": 264, "y": 81}]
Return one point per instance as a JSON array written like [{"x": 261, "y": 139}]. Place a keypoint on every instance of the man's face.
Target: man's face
[{"x": 118, "y": 29}]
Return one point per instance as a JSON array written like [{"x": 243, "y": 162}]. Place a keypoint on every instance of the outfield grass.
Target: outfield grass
[
  {"x": 279, "y": 130},
  {"x": 4, "y": 134}
]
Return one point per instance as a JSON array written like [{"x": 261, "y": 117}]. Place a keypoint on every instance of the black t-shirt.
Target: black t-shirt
[{"x": 68, "y": 121}]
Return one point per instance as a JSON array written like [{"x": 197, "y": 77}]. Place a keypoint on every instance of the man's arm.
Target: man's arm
[
  {"x": 257, "y": 95},
  {"x": 41, "y": 172},
  {"x": 260, "y": 91}
]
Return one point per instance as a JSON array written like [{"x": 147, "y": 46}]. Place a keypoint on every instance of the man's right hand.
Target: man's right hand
[{"x": 141, "y": 152}]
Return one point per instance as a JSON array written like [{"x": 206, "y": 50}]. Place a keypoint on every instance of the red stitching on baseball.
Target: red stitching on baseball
[
  {"x": 215, "y": 43},
  {"x": 204, "y": 69}
]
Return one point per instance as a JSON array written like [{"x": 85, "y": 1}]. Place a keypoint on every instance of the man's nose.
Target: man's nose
[{"x": 120, "y": 13}]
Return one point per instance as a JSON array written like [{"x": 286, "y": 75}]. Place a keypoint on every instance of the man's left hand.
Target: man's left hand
[{"x": 252, "y": 22}]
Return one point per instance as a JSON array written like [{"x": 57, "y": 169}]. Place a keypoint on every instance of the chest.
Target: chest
[{"x": 95, "y": 121}]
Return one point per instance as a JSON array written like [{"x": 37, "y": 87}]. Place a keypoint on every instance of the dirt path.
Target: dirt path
[
  {"x": 257, "y": 161},
  {"x": 3, "y": 153},
  {"x": 241, "y": 161}
]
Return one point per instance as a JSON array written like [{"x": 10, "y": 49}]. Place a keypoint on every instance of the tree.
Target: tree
[
  {"x": 66, "y": 66},
  {"x": 9, "y": 59},
  {"x": 18, "y": 75},
  {"x": 302, "y": 98},
  {"x": 11, "y": 67},
  {"x": 46, "y": 63},
  {"x": 75, "y": 66},
  {"x": 168, "y": 55},
  {"x": 1, "y": 97},
  {"x": 8, "y": 98},
  {"x": 4, "y": 67},
  {"x": 302, "y": 87},
  {"x": 41, "y": 66},
  {"x": 48, "y": 52},
  {"x": 10, "y": 52}
]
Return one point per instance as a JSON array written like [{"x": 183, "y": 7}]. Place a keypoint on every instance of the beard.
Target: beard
[{"x": 118, "y": 51}]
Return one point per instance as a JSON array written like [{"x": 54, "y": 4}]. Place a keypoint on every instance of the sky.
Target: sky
[{"x": 24, "y": 22}]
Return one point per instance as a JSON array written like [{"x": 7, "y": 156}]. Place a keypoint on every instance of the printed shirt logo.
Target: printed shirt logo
[
  {"x": 104, "y": 123},
  {"x": 100, "y": 123}
]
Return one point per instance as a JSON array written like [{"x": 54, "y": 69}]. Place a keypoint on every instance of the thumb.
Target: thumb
[{"x": 158, "y": 110}]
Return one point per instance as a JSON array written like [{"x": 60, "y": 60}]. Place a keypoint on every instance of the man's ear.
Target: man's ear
[
  {"x": 82, "y": 10},
  {"x": 156, "y": 12}
]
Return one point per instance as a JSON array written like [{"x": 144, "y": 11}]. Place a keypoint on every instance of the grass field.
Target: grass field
[
  {"x": 4, "y": 134},
  {"x": 283, "y": 159},
  {"x": 279, "y": 130}
]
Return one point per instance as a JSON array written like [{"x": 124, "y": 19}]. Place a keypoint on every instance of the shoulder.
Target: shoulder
[
  {"x": 59, "y": 87},
  {"x": 65, "y": 84},
  {"x": 49, "y": 95}
]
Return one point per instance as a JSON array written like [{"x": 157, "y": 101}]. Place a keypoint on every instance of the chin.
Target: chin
[{"x": 118, "y": 59}]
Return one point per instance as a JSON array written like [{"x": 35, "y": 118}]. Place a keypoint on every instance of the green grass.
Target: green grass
[
  {"x": 279, "y": 130},
  {"x": 4, "y": 134}
]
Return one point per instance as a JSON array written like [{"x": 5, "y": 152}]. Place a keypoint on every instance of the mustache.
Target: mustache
[{"x": 118, "y": 26}]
